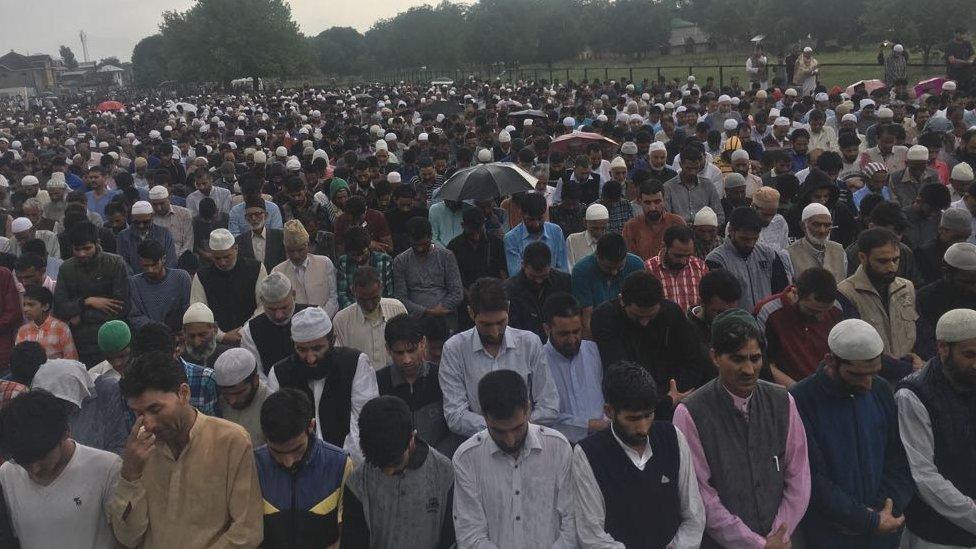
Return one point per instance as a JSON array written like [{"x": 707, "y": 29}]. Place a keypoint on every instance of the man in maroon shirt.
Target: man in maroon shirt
[
  {"x": 11, "y": 317},
  {"x": 797, "y": 323}
]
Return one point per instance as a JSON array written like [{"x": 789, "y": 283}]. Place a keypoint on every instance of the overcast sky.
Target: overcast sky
[{"x": 115, "y": 26}]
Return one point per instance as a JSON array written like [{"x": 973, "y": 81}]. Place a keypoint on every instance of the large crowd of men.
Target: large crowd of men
[{"x": 715, "y": 317}]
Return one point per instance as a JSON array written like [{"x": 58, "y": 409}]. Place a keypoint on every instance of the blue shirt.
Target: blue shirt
[
  {"x": 127, "y": 245},
  {"x": 445, "y": 223},
  {"x": 578, "y": 381},
  {"x": 97, "y": 205},
  {"x": 74, "y": 182},
  {"x": 237, "y": 224},
  {"x": 518, "y": 238},
  {"x": 859, "y": 195},
  {"x": 592, "y": 287}
]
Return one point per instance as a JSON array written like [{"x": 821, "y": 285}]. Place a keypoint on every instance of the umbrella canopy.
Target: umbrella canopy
[
  {"x": 446, "y": 108},
  {"x": 932, "y": 85},
  {"x": 363, "y": 97},
  {"x": 869, "y": 86},
  {"x": 110, "y": 106},
  {"x": 577, "y": 139},
  {"x": 486, "y": 181},
  {"x": 173, "y": 106},
  {"x": 528, "y": 113}
]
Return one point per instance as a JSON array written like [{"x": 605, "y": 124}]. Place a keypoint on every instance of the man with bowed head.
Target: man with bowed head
[{"x": 242, "y": 391}]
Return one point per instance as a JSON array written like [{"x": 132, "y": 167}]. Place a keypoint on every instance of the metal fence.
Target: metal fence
[{"x": 831, "y": 74}]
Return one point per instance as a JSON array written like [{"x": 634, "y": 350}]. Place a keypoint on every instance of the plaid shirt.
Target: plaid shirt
[
  {"x": 620, "y": 212},
  {"x": 345, "y": 270},
  {"x": 203, "y": 388},
  {"x": 9, "y": 390},
  {"x": 679, "y": 286},
  {"x": 53, "y": 334}
]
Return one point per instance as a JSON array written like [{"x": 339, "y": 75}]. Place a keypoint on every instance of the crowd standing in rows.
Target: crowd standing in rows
[{"x": 712, "y": 317}]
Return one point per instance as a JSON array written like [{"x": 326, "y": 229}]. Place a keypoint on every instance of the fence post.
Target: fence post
[
  {"x": 721, "y": 77},
  {"x": 585, "y": 73},
  {"x": 606, "y": 73},
  {"x": 550, "y": 76},
  {"x": 630, "y": 71},
  {"x": 690, "y": 70},
  {"x": 567, "y": 75}
]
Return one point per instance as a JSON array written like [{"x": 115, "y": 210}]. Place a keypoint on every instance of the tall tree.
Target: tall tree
[
  {"x": 340, "y": 50},
  {"x": 114, "y": 61},
  {"x": 219, "y": 40},
  {"x": 149, "y": 62},
  {"x": 917, "y": 24},
  {"x": 68, "y": 57}
]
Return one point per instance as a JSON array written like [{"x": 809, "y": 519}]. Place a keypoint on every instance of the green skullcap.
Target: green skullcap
[
  {"x": 733, "y": 317},
  {"x": 114, "y": 336}
]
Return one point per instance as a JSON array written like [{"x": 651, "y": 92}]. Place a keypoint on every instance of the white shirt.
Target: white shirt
[
  {"x": 364, "y": 389},
  {"x": 578, "y": 246},
  {"x": 70, "y": 512},
  {"x": 591, "y": 509},
  {"x": 352, "y": 329},
  {"x": 314, "y": 282},
  {"x": 776, "y": 235}
]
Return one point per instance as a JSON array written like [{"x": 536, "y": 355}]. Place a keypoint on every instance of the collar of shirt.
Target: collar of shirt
[
  {"x": 639, "y": 460},
  {"x": 739, "y": 403},
  {"x": 396, "y": 376},
  {"x": 261, "y": 235},
  {"x": 525, "y": 235},
  {"x": 301, "y": 266},
  {"x": 198, "y": 422},
  {"x": 508, "y": 342},
  {"x": 532, "y": 444}
]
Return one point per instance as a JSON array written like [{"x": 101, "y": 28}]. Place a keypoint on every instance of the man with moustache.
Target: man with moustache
[
  {"x": 242, "y": 391},
  {"x": 644, "y": 235},
  {"x": 816, "y": 249},
  {"x": 268, "y": 336},
  {"x": 142, "y": 228},
  {"x": 935, "y": 414}
]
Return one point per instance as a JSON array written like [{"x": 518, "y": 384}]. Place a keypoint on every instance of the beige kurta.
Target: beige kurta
[
  {"x": 353, "y": 329},
  {"x": 209, "y": 496}
]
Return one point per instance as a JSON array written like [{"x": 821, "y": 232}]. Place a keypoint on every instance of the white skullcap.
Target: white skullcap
[
  {"x": 848, "y": 118},
  {"x": 628, "y": 147},
  {"x": 668, "y": 106},
  {"x": 20, "y": 225},
  {"x": 381, "y": 145},
  {"x": 739, "y": 154},
  {"x": 198, "y": 313},
  {"x": 761, "y": 94},
  {"x": 69, "y": 142},
  {"x": 390, "y": 137},
  {"x": 956, "y": 325},
  {"x": 822, "y": 96},
  {"x": 949, "y": 86},
  {"x": 15, "y": 144},
  {"x": 319, "y": 153},
  {"x": 260, "y": 157},
  {"x": 618, "y": 162},
  {"x": 680, "y": 109},
  {"x": 29, "y": 181},
  {"x": 636, "y": 118},
  {"x": 961, "y": 255},
  {"x": 569, "y": 122},
  {"x": 281, "y": 151},
  {"x": 597, "y": 212},
  {"x": 484, "y": 155},
  {"x": 645, "y": 96},
  {"x": 724, "y": 99},
  {"x": 510, "y": 128},
  {"x": 423, "y": 137},
  {"x": 656, "y": 146},
  {"x": 705, "y": 218},
  {"x": 962, "y": 172},
  {"x": 310, "y": 324},
  {"x": 812, "y": 209},
  {"x": 233, "y": 366},
  {"x": 293, "y": 164},
  {"x": 808, "y": 49},
  {"x": 736, "y": 101},
  {"x": 867, "y": 103},
  {"x": 504, "y": 137},
  {"x": 691, "y": 78},
  {"x": 158, "y": 192},
  {"x": 899, "y": 48},
  {"x": 393, "y": 177},
  {"x": 782, "y": 121},
  {"x": 238, "y": 132},
  {"x": 220, "y": 240},
  {"x": 275, "y": 287},
  {"x": 57, "y": 180},
  {"x": 918, "y": 152},
  {"x": 527, "y": 122},
  {"x": 154, "y": 134},
  {"x": 142, "y": 207},
  {"x": 730, "y": 124},
  {"x": 855, "y": 339},
  {"x": 885, "y": 112},
  {"x": 791, "y": 92}
]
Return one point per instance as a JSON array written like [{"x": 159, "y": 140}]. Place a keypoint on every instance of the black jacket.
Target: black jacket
[{"x": 274, "y": 248}]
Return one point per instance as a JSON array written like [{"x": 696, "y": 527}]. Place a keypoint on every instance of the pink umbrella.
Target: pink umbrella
[
  {"x": 869, "y": 86},
  {"x": 578, "y": 139},
  {"x": 932, "y": 85}
]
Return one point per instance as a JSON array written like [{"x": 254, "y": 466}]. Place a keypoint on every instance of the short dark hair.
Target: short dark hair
[
  {"x": 681, "y": 233},
  {"x": 435, "y": 328},
  {"x": 29, "y": 260},
  {"x": 418, "y": 228},
  {"x": 385, "y": 428},
  {"x": 32, "y": 425},
  {"x": 818, "y": 283},
  {"x": 537, "y": 255},
  {"x": 286, "y": 414},
  {"x": 34, "y": 246},
  {"x": 732, "y": 339},
  {"x": 487, "y": 294},
  {"x": 651, "y": 186},
  {"x": 935, "y": 195},
  {"x": 39, "y": 294},
  {"x": 152, "y": 337},
  {"x": 356, "y": 239},
  {"x": 629, "y": 386},
  {"x": 153, "y": 371},
  {"x": 355, "y": 206},
  {"x": 611, "y": 247},
  {"x": 745, "y": 218},
  {"x": 719, "y": 283},
  {"x": 82, "y": 234},
  {"x": 403, "y": 327},
  {"x": 150, "y": 249},
  {"x": 365, "y": 276},
  {"x": 641, "y": 288},
  {"x": 876, "y": 238},
  {"x": 560, "y": 304},
  {"x": 502, "y": 393},
  {"x": 472, "y": 217},
  {"x": 830, "y": 160},
  {"x": 25, "y": 358},
  {"x": 533, "y": 204}
]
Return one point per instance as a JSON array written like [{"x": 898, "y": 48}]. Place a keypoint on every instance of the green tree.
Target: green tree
[
  {"x": 340, "y": 50},
  {"x": 219, "y": 40},
  {"x": 917, "y": 25},
  {"x": 114, "y": 61},
  {"x": 68, "y": 57},
  {"x": 149, "y": 67},
  {"x": 421, "y": 36},
  {"x": 638, "y": 25}
]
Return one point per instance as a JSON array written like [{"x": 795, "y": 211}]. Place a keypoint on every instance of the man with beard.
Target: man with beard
[
  {"x": 861, "y": 483},
  {"x": 251, "y": 188},
  {"x": 94, "y": 289},
  {"x": 534, "y": 228},
  {"x": 935, "y": 414},
  {"x": 747, "y": 443},
  {"x": 158, "y": 293},
  {"x": 956, "y": 288},
  {"x": 531, "y": 286},
  {"x": 338, "y": 380},
  {"x": 955, "y": 225},
  {"x": 882, "y": 298},
  {"x": 636, "y": 464},
  {"x": 598, "y": 277},
  {"x": 268, "y": 336},
  {"x": 200, "y": 345},
  {"x": 644, "y": 235},
  {"x": 924, "y": 214},
  {"x": 658, "y": 167},
  {"x": 689, "y": 192},
  {"x": 312, "y": 276},
  {"x": 205, "y": 188},
  {"x": 426, "y": 182},
  {"x": 761, "y": 270},
  {"x": 677, "y": 267},
  {"x": 302, "y": 477},
  {"x": 360, "y": 325},
  {"x": 426, "y": 276},
  {"x": 176, "y": 219},
  {"x": 232, "y": 282},
  {"x": 513, "y": 479},
  {"x": 260, "y": 242},
  {"x": 24, "y": 230},
  {"x": 217, "y": 498},
  {"x": 57, "y": 188},
  {"x": 741, "y": 164},
  {"x": 140, "y": 229},
  {"x": 405, "y": 209},
  {"x": 581, "y": 244},
  {"x": 242, "y": 391},
  {"x": 445, "y": 220},
  {"x": 491, "y": 345},
  {"x": 816, "y": 249},
  {"x": 775, "y": 232},
  {"x": 907, "y": 183}
]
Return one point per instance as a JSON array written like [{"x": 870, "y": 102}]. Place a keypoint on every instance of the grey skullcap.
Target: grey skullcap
[
  {"x": 957, "y": 219},
  {"x": 275, "y": 287},
  {"x": 734, "y": 180},
  {"x": 628, "y": 147},
  {"x": 956, "y": 325},
  {"x": 234, "y": 366},
  {"x": 961, "y": 255}
]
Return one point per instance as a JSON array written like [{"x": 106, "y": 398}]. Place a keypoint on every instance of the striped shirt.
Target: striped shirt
[{"x": 679, "y": 286}]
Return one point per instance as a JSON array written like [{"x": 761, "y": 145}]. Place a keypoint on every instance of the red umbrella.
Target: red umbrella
[
  {"x": 578, "y": 139},
  {"x": 110, "y": 106}
]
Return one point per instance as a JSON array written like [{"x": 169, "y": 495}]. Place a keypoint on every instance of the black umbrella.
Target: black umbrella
[
  {"x": 447, "y": 108},
  {"x": 363, "y": 97},
  {"x": 486, "y": 181}
]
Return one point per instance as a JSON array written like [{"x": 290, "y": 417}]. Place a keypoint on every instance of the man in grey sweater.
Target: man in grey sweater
[{"x": 404, "y": 489}]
